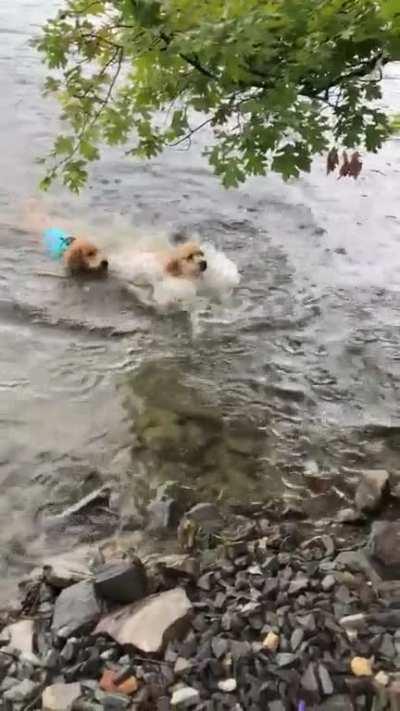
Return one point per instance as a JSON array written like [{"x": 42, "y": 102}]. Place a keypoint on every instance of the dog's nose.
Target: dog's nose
[
  {"x": 104, "y": 264},
  {"x": 203, "y": 265}
]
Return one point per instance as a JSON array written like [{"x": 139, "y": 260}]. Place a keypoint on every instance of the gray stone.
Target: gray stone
[
  {"x": 76, "y": 609},
  {"x": 8, "y": 682},
  {"x": 384, "y": 548},
  {"x": 339, "y": 702},
  {"x": 349, "y": 516},
  {"x": 185, "y": 696},
  {"x": 370, "y": 490},
  {"x": 296, "y": 638},
  {"x": 387, "y": 648},
  {"x": 182, "y": 665},
  {"x": 307, "y": 622},
  {"x": 309, "y": 681},
  {"x": 285, "y": 659},
  {"x": 328, "y": 582},
  {"x": 354, "y": 622},
  {"x": 276, "y": 705},
  {"x": 60, "y": 697},
  {"x": 298, "y": 585},
  {"x": 325, "y": 680},
  {"x": 21, "y": 635},
  {"x": 151, "y": 623},
  {"x": 22, "y": 692},
  {"x": 121, "y": 581},
  {"x": 5, "y": 637},
  {"x": 219, "y": 646}
]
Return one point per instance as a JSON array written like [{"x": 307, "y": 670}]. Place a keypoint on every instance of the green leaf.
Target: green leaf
[{"x": 64, "y": 145}]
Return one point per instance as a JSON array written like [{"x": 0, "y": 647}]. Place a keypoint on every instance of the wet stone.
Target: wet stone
[{"x": 370, "y": 490}]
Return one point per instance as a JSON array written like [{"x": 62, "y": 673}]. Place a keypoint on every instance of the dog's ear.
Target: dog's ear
[{"x": 173, "y": 267}]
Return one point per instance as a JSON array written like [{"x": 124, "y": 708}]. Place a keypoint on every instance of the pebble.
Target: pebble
[
  {"x": 382, "y": 679},
  {"x": 271, "y": 642},
  {"x": 309, "y": 681},
  {"x": 328, "y": 583},
  {"x": 387, "y": 648},
  {"x": 185, "y": 696},
  {"x": 285, "y": 659},
  {"x": 60, "y": 697},
  {"x": 298, "y": 585},
  {"x": 296, "y": 638},
  {"x": 325, "y": 680},
  {"x": 360, "y": 666},
  {"x": 227, "y": 685}
]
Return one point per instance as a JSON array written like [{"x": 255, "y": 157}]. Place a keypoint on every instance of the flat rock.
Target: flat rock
[
  {"x": 151, "y": 623},
  {"x": 370, "y": 489},
  {"x": 22, "y": 692},
  {"x": 285, "y": 659},
  {"x": 20, "y": 635},
  {"x": 66, "y": 569},
  {"x": 121, "y": 581},
  {"x": 339, "y": 702},
  {"x": 96, "y": 497},
  {"x": 325, "y": 680},
  {"x": 60, "y": 697},
  {"x": 185, "y": 696},
  {"x": 77, "y": 608},
  {"x": 384, "y": 548}
]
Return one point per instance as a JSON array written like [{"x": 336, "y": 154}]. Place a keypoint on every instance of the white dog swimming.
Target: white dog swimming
[{"x": 176, "y": 275}]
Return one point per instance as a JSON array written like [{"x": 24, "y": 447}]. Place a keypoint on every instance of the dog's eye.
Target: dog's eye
[
  {"x": 91, "y": 253},
  {"x": 190, "y": 256}
]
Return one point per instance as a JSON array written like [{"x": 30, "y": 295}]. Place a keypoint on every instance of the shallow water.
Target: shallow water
[{"x": 277, "y": 392}]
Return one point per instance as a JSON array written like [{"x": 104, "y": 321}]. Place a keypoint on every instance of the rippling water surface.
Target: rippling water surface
[{"x": 301, "y": 372}]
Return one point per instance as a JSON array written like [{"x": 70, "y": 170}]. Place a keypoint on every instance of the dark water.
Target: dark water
[{"x": 274, "y": 395}]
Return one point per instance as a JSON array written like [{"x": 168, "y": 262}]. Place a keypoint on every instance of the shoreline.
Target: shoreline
[{"x": 254, "y": 612}]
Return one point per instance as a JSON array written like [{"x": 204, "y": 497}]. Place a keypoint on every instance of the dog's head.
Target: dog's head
[
  {"x": 186, "y": 260},
  {"x": 84, "y": 257}
]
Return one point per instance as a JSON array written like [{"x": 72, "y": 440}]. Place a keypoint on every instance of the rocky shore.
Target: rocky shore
[{"x": 258, "y": 610}]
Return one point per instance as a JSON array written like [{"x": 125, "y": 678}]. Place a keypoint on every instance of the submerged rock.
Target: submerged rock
[
  {"x": 151, "y": 623},
  {"x": 384, "y": 547},
  {"x": 370, "y": 490},
  {"x": 76, "y": 609}
]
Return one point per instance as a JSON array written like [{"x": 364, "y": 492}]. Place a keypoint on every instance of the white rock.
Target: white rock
[
  {"x": 227, "y": 685},
  {"x": 60, "y": 697},
  {"x": 21, "y": 635},
  {"x": 185, "y": 696}
]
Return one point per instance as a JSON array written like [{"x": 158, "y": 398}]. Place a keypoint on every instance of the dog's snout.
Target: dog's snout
[
  {"x": 104, "y": 264},
  {"x": 203, "y": 265}
]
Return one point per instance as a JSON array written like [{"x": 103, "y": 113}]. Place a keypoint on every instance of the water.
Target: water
[{"x": 273, "y": 395}]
